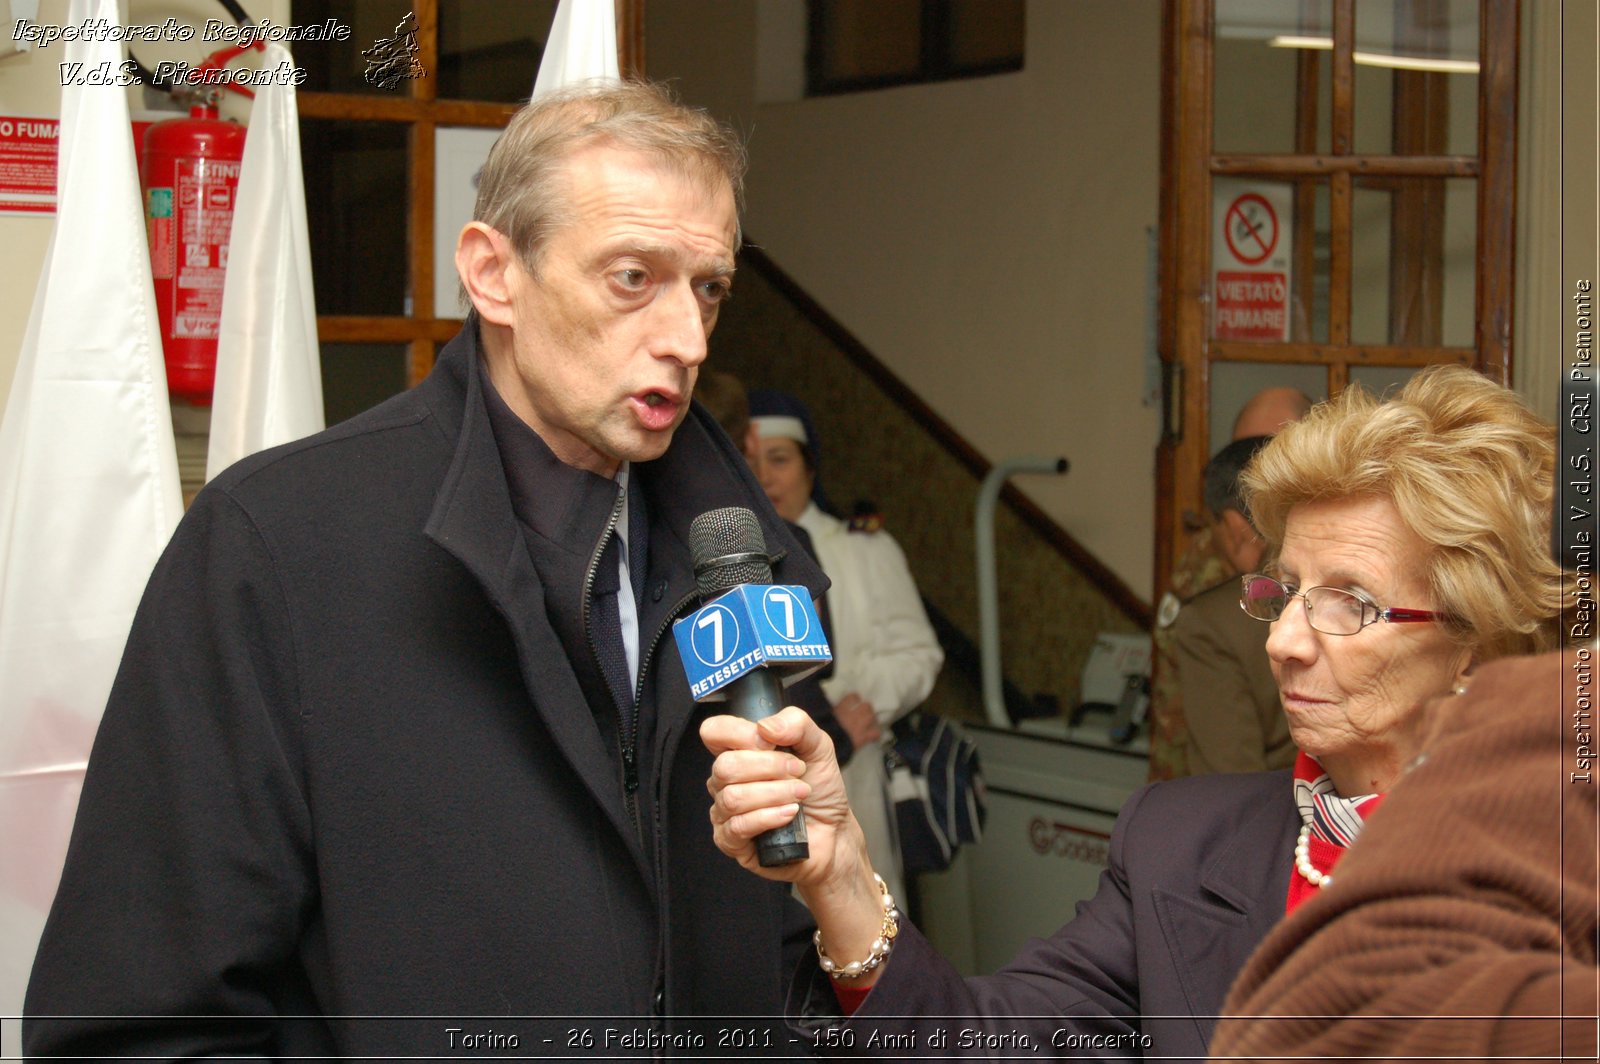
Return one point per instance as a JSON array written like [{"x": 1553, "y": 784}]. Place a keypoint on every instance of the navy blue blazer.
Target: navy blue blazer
[{"x": 1199, "y": 873}]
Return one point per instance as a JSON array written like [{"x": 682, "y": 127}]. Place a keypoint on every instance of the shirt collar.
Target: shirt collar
[{"x": 562, "y": 503}]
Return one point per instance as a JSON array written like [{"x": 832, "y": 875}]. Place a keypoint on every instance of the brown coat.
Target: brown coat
[
  {"x": 1230, "y": 700},
  {"x": 1202, "y": 565},
  {"x": 1463, "y": 921}
]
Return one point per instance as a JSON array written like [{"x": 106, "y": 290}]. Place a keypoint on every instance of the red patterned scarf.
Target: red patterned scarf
[{"x": 1330, "y": 824}]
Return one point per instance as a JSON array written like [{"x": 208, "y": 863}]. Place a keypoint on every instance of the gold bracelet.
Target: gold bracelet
[{"x": 880, "y": 945}]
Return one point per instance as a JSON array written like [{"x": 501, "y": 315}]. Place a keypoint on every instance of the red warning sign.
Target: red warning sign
[
  {"x": 1251, "y": 228},
  {"x": 1252, "y": 251},
  {"x": 28, "y": 164},
  {"x": 1252, "y": 306},
  {"x": 28, "y": 151}
]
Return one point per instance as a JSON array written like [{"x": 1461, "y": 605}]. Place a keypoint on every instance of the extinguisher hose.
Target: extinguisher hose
[{"x": 143, "y": 73}]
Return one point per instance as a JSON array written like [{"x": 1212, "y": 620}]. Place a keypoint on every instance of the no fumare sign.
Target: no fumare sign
[{"x": 1252, "y": 238}]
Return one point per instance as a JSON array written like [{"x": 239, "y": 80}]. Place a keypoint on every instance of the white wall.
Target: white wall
[{"x": 984, "y": 238}]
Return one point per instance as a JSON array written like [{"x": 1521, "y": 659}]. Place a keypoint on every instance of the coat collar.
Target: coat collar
[
  {"x": 1246, "y": 873},
  {"x": 473, "y": 519},
  {"x": 564, "y": 504}
]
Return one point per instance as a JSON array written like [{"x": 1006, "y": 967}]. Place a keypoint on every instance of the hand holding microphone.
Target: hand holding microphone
[
  {"x": 748, "y": 638},
  {"x": 762, "y": 774}
]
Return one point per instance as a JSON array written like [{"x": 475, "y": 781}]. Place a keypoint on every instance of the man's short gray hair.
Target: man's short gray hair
[{"x": 519, "y": 191}]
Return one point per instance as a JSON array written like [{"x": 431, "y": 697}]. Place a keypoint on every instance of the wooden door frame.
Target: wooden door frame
[{"x": 1188, "y": 164}]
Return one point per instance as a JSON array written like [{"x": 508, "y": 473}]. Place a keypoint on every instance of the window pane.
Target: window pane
[
  {"x": 865, "y": 40},
  {"x": 338, "y": 66},
  {"x": 1416, "y": 90},
  {"x": 1233, "y": 383},
  {"x": 1264, "y": 50},
  {"x": 355, "y": 175},
  {"x": 1381, "y": 380},
  {"x": 489, "y": 53},
  {"x": 356, "y": 377},
  {"x": 987, "y": 33},
  {"x": 459, "y": 155},
  {"x": 854, "y": 45},
  {"x": 1413, "y": 261}
]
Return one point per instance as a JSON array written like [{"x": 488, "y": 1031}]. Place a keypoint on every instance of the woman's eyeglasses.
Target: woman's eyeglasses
[{"x": 1330, "y": 610}]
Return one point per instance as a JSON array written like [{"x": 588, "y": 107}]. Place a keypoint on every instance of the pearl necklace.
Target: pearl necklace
[{"x": 1302, "y": 860}]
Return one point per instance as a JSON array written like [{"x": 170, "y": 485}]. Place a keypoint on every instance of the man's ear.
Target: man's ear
[
  {"x": 1240, "y": 541},
  {"x": 485, "y": 261}
]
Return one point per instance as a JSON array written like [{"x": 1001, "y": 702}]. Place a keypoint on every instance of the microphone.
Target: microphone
[{"x": 748, "y": 637}]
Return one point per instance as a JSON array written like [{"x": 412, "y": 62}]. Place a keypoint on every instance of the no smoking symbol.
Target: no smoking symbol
[{"x": 1251, "y": 228}]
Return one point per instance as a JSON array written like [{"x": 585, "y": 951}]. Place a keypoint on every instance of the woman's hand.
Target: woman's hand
[
  {"x": 756, "y": 787},
  {"x": 859, "y": 720}
]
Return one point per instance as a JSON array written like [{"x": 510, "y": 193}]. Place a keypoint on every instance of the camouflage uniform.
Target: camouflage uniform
[{"x": 1201, "y": 567}]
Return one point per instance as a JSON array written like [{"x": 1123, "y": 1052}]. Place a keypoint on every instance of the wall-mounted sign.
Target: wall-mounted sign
[
  {"x": 28, "y": 160},
  {"x": 28, "y": 164},
  {"x": 1251, "y": 244}
]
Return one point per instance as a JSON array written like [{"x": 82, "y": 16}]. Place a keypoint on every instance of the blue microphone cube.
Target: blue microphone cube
[{"x": 753, "y": 626}]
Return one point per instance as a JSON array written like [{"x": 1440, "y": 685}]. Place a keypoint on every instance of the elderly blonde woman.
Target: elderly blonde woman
[{"x": 1410, "y": 540}]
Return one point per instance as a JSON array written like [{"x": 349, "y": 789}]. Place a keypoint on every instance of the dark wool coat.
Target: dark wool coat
[
  {"x": 1199, "y": 873},
  {"x": 347, "y": 773}
]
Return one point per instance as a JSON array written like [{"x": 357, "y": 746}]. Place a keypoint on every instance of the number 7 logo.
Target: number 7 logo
[{"x": 722, "y": 627}]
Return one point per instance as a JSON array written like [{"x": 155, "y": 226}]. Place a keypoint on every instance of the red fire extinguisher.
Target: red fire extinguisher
[{"x": 190, "y": 179}]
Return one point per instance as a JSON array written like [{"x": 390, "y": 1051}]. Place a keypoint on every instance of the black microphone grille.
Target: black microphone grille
[{"x": 728, "y": 550}]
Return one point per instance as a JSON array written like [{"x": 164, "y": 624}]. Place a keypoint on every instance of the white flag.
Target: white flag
[
  {"x": 269, "y": 372},
  {"x": 89, "y": 492},
  {"x": 582, "y": 45}
]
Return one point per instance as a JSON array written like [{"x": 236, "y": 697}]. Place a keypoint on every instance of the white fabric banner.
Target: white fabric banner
[
  {"x": 89, "y": 493},
  {"x": 269, "y": 368},
  {"x": 582, "y": 45}
]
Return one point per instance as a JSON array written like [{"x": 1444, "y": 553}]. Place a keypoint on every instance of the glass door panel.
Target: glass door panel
[
  {"x": 1233, "y": 383},
  {"x": 485, "y": 54},
  {"x": 1271, "y": 91},
  {"x": 1381, "y": 380},
  {"x": 356, "y": 175},
  {"x": 1414, "y": 261},
  {"x": 1339, "y": 190},
  {"x": 358, "y": 376},
  {"x": 1416, "y": 77}
]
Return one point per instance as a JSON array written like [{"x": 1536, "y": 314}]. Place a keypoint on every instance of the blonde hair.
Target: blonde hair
[
  {"x": 1470, "y": 469},
  {"x": 520, "y": 192}
]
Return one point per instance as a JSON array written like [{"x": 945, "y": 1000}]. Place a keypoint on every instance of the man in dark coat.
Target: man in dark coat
[{"x": 400, "y": 760}]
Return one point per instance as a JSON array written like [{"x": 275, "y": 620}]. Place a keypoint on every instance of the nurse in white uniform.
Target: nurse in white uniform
[{"x": 885, "y": 653}]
